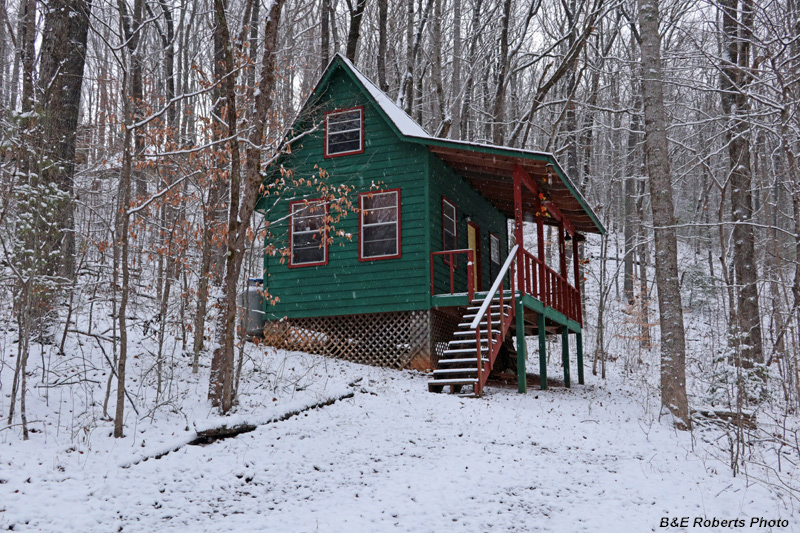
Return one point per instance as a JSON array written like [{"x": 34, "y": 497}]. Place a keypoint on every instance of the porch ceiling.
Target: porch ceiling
[{"x": 490, "y": 172}]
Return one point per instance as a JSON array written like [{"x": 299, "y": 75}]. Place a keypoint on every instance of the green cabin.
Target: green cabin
[{"x": 391, "y": 247}]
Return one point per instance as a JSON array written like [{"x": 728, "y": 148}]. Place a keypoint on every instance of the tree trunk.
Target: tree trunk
[
  {"x": 27, "y": 40},
  {"x": 455, "y": 119},
  {"x": 383, "y": 8},
  {"x": 673, "y": 344},
  {"x": 221, "y": 392},
  {"x": 498, "y": 107},
  {"x": 123, "y": 222},
  {"x": 631, "y": 222},
  {"x": 353, "y": 35},
  {"x": 66, "y": 25},
  {"x": 325, "y": 37},
  {"x": 734, "y": 78}
]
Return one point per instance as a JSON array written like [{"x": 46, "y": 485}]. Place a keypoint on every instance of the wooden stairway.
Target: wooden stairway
[{"x": 458, "y": 366}]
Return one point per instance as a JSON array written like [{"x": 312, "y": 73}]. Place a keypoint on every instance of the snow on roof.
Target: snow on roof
[{"x": 407, "y": 125}]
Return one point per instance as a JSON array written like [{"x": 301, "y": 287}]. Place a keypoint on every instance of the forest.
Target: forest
[{"x": 135, "y": 134}]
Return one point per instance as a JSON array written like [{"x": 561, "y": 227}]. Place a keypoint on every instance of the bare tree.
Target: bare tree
[{"x": 673, "y": 344}]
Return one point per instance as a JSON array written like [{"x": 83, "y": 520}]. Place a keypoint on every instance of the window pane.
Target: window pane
[
  {"x": 335, "y": 139},
  {"x": 380, "y": 217},
  {"x": 449, "y": 226},
  {"x": 344, "y": 142},
  {"x": 376, "y": 200},
  {"x": 315, "y": 254},
  {"x": 449, "y": 241},
  {"x": 307, "y": 240},
  {"x": 344, "y": 132},
  {"x": 308, "y": 223},
  {"x": 387, "y": 214},
  {"x": 307, "y": 217},
  {"x": 344, "y": 121},
  {"x": 308, "y": 233},
  {"x": 495, "y": 251},
  {"x": 379, "y": 240}
]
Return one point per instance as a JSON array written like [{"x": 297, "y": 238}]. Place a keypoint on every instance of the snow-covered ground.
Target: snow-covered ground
[
  {"x": 387, "y": 455},
  {"x": 393, "y": 457}
]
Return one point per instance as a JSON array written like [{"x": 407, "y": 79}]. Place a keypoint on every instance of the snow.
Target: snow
[
  {"x": 392, "y": 458},
  {"x": 407, "y": 125}
]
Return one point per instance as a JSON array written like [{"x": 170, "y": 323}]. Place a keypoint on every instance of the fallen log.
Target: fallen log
[
  {"x": 225, "y": 431},
  {"x": 739, "y": 419}
]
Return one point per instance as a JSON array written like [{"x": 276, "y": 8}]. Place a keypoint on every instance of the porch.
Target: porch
[{"x": 528, "y": 297}]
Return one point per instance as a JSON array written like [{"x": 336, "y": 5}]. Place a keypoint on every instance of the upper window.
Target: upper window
[
  {"x": 308, "y": 234},
  {"x": 380, "y": 225},
  {"x": 449, "y": 227},
  {"x": 494, "y": 248},
  {"x": 344, "y": 132}
]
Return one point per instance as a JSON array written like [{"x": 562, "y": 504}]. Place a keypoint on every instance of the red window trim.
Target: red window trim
[
  {"x": 399, "y": 253},
  {"x": 326, "y": 155},
  {"x": 291, "y": 227},
  {"x": 455, "y": 214}
]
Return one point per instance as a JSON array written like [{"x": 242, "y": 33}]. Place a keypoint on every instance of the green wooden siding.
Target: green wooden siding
[
  {"x": 345, "y": 285},
  {"x": 445, "y": 182}
]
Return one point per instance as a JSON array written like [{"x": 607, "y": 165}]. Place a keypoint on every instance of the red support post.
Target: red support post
[
  {"x": 452, "y": 278},
  {"x": 518, "y": 175},
  {"x": 470, "y": 275},
  {"x": 433, "y": 291},
  {"x": 478, "y": 385},
  {"x": 578, "y": 306},
  {"x": 540, "y": 238}
]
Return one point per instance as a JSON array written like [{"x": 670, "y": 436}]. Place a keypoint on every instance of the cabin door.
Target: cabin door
[{"x": 474, "y": 244}]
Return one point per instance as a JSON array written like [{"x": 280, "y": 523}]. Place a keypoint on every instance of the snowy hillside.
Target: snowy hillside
[{"x": 393, "y": 457}]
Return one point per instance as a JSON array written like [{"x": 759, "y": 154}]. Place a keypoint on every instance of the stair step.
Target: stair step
[
  {"x": 469, "y": 341},
  {"x": 472, "y": 332},
  {"x": 466, "y": 350},
  {"x": 494, "y": 315},
  {"x": 470, "y": 360},
  {"x": 477, "y": 301},
  {"x": 478, "y": 307},
  {"x": 453, "y": 381},
  {"x": 468, "y": 324},
  {"x": 454, "y": 371}
]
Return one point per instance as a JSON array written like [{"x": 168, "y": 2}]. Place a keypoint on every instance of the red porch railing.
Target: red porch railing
[
  {"x": 494, "y": 337},
  {"x": 534, "y": 278},
  {"x": 451, "y": 260},
  {"x": 548, "y": 286}
]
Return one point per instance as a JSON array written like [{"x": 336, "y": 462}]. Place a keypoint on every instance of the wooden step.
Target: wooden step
[
  {"x": 471, "y": 360},
  {"x": 468, "y": 324},
  {"x": 478, "y": 307},
  {"x": 506, "y": 294},
  {"x": 468, "y": 341},
  {"x": 465, "y": 350},
  {"x": 494, "y": 316},
  {"x": 472, "y": 332},
  {"x": 447, "y": 371},
  {"x": 453, "y": 381},
  {"x": 455, "y": 384}
]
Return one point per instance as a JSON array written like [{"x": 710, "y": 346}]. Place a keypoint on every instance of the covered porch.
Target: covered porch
[{"x": 530, "y": 297}]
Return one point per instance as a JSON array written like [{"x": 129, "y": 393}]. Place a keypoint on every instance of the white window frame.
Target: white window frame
[
  {"x": 362, "y": 224},
  {"x": 323, "y": 233},
  {"x": 454, "y": 220},
  {"x": 330, "y": 118}
]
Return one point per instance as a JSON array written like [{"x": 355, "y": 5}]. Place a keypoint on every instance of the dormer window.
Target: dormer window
[{"x": 344, "y": 132}]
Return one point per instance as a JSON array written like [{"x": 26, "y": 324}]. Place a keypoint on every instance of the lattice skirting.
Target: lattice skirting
[
  {"x": 444, "y": 322},
  {"x": 411, "y": 339},
  {"x": 395, "y": 340}
]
